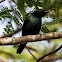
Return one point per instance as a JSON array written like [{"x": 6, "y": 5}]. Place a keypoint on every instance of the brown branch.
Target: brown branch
[
  {"x": 9, "y": 35},
  {"x": 31, "y": 48},
  {"x": 49, "y": 53},
  {"x": 51, "y": 58},
  {"x": 30, "y": 38}
]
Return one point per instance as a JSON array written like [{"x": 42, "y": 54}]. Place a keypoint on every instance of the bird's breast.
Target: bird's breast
[{"x": 32, "y": 27}]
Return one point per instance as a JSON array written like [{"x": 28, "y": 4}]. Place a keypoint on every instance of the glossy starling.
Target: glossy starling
[{"x": 32, "y": 26}]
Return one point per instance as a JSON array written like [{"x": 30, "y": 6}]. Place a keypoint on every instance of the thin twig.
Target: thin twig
[
  {"x": 49, "y": 53},
  {"x": 31, "y": 54},
  {"x": 30, "y": 48}
]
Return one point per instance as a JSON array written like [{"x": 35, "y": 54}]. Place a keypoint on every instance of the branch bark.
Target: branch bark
[
  {"x": 51, "y": 58},
  {"x": 30, "y": 38},
  {"x": 49, "y": 53}
]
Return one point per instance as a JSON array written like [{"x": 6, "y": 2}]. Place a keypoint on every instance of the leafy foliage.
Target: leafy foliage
[
  {"x": 18, "y": 14},
  {"x": 44, "y": 29},
  {"x": 6, "y": 13},
  {"x": 22, "y": 4},
  {"x": 46, "y": 4},
  {"x": 9, "y": 28},
  {"x": 56, "y": 9}
]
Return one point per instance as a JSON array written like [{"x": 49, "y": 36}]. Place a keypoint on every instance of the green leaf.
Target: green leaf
[
  {"x": 44, "y": 29},
  {"x": 16, "y": 21}
]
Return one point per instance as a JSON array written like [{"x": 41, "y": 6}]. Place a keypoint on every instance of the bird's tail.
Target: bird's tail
[{"x": 21, "y": 47}]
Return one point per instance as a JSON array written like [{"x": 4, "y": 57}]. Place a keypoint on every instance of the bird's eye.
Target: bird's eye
[{"x": 40, "y": 9}]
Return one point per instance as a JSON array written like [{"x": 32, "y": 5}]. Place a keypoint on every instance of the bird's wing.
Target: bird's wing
[
  {"x": 24, "y": 25},
  {"x": 25, "y": 22}
]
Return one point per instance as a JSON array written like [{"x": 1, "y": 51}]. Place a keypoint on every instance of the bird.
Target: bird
[{"x": 31, "y": 26}]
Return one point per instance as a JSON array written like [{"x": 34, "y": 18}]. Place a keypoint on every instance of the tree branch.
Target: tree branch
[
  {"x": 30, "y": 38},
  {"x": 49, "y": 53},
  {"x": 32, "y": 54},
  {"x": 51, "y": 58},
  {"x": 31, "y": 48}
]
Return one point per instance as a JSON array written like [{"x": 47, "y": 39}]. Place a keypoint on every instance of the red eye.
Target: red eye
[{"x": 40, "y": 9}]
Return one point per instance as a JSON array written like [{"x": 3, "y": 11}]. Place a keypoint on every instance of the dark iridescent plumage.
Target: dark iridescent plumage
[{"x": 31, "y": 26}]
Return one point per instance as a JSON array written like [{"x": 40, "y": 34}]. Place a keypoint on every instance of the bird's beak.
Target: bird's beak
[{"x": 46, "y": 11}]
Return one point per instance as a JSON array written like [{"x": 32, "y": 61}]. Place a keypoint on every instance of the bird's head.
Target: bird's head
[{"x": 40, "y": 13}]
